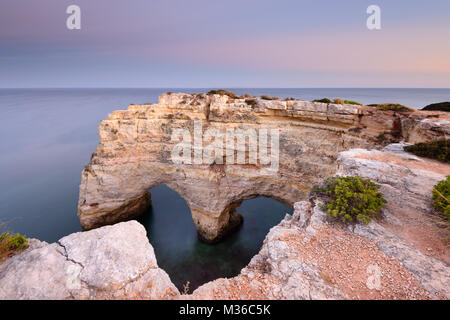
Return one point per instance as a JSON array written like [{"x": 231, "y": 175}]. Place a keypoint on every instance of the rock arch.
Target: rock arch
[{"x": 135, "y": 148}]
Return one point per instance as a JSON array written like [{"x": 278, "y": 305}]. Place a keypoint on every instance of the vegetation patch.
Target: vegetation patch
[
  {"x": 251, "y": 102},
  {"x": 350, "y": 199},
  {"x": 324, "y": 100},
  {"x": 391, "y": 107},
  {"x": 265, "y": 97},
  {"x": 441, "y": 197},
  {"x": 352, "y": 102},
  {"x": 438, "y": 150},
  {"x": 338, "y": 101},
  {"x": 225, "y": 93},
  {"x": 441, "y": 106},
  {"x": 11, "y": 244}
]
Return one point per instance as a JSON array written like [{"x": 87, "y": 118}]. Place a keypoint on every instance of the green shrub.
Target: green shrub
[
  {"x": 350, "y": 199},
  {"x": 441, "y": 197},
  {"x": 11, "y": 244},
  {"x": 17, "y": 242},
  {"x": 324, "y": 100},
  {"x": 442, "y": 106},
  {"x": 438, "y": 150},
  {"x": 391, "y": 107}
]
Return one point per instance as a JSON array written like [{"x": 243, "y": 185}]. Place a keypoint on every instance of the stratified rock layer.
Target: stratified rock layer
[
  {"x": 135, "y": 148},
  {"x": 113, "y": 262}
]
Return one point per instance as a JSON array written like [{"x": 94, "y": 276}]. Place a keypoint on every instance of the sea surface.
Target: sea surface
[{"x": 47, "y": 136}]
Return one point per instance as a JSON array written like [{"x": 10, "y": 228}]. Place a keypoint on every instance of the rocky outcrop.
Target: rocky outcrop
[
  {"x": 403, "y": 256},
  {"x": 113, "y": 262},
  {"x": 442, "y": 106},
  {"x": 135, "y": 154},
  {"x": 420, "y": 128}
]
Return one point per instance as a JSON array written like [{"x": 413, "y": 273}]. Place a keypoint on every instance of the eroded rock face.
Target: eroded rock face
[
  {"x": 135, "y": 148},
  {"x": 113, "y": 262},
  {"x": 403, "y": 256}
]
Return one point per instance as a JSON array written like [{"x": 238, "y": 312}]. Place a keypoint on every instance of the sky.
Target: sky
[{"x": 229, "y": 44}]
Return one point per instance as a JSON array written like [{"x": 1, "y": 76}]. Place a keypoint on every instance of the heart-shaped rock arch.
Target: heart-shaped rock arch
[{"x": 136, "y": 145}]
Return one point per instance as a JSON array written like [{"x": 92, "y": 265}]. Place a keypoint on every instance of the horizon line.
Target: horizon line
[{"x": 218, "y": 88}]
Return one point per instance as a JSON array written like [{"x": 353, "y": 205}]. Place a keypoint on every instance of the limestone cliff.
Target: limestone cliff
[{"x": 135, "y": 148}]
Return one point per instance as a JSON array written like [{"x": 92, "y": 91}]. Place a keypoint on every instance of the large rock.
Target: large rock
[
  {"x": 135, "y": 148},
  {"x": 113, "y": 262}
]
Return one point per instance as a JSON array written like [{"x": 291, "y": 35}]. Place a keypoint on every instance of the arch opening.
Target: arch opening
[{"x": 184, "y": 257}]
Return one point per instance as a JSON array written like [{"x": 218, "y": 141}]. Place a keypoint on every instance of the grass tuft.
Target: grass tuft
[{"x": 11, "y": 244}]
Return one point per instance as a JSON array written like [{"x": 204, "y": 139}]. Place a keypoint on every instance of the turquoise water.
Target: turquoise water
[
  {"x": 179, "y": 252},
  {"x": 48, "y": 135}
]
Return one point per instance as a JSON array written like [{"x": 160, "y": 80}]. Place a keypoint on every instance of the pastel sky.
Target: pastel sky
[{"x": 212, "y": 43}]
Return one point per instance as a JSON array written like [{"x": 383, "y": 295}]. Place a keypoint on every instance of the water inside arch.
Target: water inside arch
[{"x": 173, "y": 236}]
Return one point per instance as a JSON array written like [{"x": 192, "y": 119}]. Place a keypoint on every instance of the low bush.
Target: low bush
[
  {"x": 338, "y": 101},
  {"x": 11, "y": 244},
  {"x": 350, "y": 199},
  {"x": 265, "y": 97},
  {"x": 438, "y": 150},
  {"x": 324, "y": 100},
  {"x": 352, "y": 102},
  {"x": 225, "y": 93},
  {"x": 441, "y": 197},
  {"x": 251, "y": 102},
  {"x": 391, "y": 107}
]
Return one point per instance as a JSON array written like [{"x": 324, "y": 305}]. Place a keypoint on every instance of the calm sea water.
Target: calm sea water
[{"x": 48, "y": 135}]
